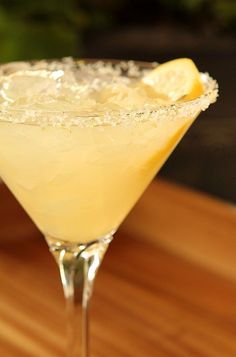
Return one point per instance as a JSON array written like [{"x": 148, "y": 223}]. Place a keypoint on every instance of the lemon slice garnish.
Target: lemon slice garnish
[{"x": 178, "y": 79}]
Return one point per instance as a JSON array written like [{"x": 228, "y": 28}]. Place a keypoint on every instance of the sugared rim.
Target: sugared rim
[{"x": 67, "y": 118}]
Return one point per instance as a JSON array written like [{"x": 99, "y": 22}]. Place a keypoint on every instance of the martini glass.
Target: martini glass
[{"x": 78, "y": 176}]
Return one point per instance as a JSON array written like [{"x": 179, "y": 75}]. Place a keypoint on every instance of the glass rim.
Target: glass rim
[{"x": 73, "y": 117}]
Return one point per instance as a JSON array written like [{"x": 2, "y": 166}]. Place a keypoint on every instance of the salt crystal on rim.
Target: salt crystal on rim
[{"x": 88, "y": 93}]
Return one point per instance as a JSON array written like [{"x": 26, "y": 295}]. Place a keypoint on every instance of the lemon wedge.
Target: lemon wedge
[{"x": 178, "y": 79}]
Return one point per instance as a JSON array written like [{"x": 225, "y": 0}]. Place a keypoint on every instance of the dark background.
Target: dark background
[{"x": 150, "y": 30}]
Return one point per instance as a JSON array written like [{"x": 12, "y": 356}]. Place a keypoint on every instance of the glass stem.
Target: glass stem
[{"x": 78, "y": 265}]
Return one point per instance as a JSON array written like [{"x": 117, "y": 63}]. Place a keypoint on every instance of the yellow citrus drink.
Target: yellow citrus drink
[
  {"x": 80, "y": 140},
  {"x": 80, "y": 184},
  {"x": 78, "y": 179}
]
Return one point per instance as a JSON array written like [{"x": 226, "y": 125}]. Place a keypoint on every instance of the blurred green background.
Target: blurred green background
[
  {"x": 53, "y": 28},
  {"x": 204, "y": 30}
]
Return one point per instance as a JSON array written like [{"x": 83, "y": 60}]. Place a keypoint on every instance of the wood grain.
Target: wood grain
[
  {"x": 163, "y": 289},
  {"x": 193, "y": 225}
]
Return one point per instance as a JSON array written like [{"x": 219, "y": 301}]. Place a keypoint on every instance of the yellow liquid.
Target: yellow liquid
[{"x": 78, "y": 184}]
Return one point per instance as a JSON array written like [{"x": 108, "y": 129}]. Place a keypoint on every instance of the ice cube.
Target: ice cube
[{"x": 29, "y": 85}]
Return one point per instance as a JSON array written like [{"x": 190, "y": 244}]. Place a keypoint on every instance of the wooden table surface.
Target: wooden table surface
[{"x": 167, "y": 286}]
